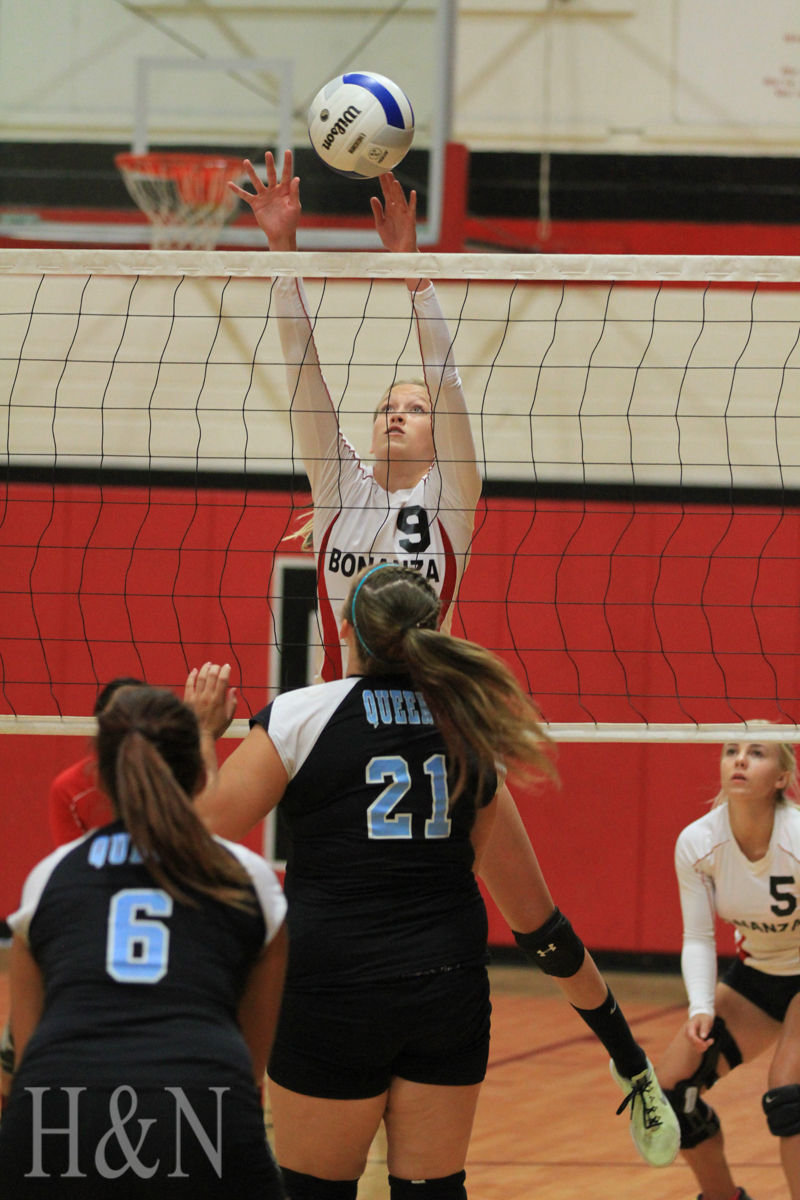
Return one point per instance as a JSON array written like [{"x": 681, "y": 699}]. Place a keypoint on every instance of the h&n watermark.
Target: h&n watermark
[{"x": 122, "y": 1106}]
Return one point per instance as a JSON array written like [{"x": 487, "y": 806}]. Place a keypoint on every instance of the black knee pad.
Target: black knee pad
[
  {"x": 449, "y": 1187},
  {"x": 308, "y": 1187},
  {"x": 724, "y": 1043},
  {"x": 721, "y": 1043},
  {"x": 697, "y": 1120},
  {"x": 554, "y": 947},
  {"x": 782, "y": 1106}
]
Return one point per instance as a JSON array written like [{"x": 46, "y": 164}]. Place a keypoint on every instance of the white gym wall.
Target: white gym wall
[{"x": 665, "y": 76}]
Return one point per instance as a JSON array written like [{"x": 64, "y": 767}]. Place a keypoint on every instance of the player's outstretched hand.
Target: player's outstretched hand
[
  {"x": 396, "y": 216},
  {"x": 276, "y": 204},
  {"x": 209, "y": 693}
]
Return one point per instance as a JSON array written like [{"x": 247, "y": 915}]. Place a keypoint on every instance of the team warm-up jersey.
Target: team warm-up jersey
[
  {"x": 136, "y": 983},
  {"x": 379, "y": 873},
  {"x": 356, "y": 521},
  {"x": 759, "y": 898},
  {"x": 76, "y": 803}
]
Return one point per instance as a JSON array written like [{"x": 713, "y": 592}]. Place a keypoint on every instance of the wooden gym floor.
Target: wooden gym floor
[{"x": 546, "y": 1126}]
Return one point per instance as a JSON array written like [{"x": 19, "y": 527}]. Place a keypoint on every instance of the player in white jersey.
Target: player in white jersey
[
  {"x": 740, "y": 862},
  {"x": 416, "y": 504}
]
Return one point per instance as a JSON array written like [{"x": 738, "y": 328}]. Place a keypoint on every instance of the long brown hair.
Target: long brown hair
[
  {"x": 479, "y": 707},
  {"x": 150, "y": 765}
]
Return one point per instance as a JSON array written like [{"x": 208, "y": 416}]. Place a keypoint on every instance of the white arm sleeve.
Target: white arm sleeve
[
  {"x": 699, "y": 953},
  {"x": 314, "y": 420},
  {"x": 452, "y": 434}
]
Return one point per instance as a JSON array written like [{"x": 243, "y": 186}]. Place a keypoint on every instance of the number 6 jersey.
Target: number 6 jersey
[
  {"x": 760, "y": 899},
  {"x": 140, "y": 989},
  {"x": 356, "y": 521}
]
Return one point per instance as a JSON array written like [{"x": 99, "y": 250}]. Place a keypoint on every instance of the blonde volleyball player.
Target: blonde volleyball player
[
  {"x": 416, "y": 504},
  {"x": 741, "y": 862}
]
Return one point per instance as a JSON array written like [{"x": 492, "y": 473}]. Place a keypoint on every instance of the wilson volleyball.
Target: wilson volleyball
[{"x": 361, "y": 124}]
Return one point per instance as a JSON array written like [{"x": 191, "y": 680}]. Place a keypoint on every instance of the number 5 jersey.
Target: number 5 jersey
[{"x": 760, "y": 899}]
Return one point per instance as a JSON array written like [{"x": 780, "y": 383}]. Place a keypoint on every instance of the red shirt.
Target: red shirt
[{"x": 76, "y": 803}]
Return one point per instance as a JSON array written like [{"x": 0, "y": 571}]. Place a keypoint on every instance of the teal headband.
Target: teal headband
[{"x": 361, "y": 583}]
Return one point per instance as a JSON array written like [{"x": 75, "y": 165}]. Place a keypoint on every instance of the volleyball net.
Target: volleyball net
[{"x": 636, "y": 420}]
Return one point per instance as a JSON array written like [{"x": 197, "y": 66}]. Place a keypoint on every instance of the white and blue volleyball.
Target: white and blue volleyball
[{"x": 361, "y": 124}]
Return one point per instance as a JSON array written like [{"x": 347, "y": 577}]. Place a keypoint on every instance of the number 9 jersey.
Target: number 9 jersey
[{"x": 356, "y": 521}]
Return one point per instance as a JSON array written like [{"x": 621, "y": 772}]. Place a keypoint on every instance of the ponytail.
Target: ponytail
[
  {"x": 479, "y": 707},
  {"x": 150, "y": 764}
]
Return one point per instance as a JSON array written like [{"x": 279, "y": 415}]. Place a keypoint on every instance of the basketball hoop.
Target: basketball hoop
[{"x": 185, "y": 197}]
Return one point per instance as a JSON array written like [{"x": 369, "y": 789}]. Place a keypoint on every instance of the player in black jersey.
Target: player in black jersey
[
  {"x": 146, "y": 973},
  {"x": 387, "y": 780},
  {"x": 385, "y": 513}
]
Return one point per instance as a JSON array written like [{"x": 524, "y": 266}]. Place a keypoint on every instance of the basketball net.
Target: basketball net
[{"x": 185, "y": 197}]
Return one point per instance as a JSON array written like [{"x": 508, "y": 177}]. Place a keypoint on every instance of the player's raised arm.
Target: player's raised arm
[{"x": 276, "y": 207}]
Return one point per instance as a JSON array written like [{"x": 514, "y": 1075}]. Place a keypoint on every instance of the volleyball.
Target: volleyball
[{"x": 361, "y": 124}]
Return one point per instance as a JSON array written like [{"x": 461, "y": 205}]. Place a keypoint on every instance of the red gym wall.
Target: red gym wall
[{"x": 678, "y": 619}]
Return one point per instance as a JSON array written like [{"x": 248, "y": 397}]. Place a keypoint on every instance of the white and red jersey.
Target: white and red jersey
[
  {"x": 356, "y": 521},
  {"x": 761, "y": 899}
]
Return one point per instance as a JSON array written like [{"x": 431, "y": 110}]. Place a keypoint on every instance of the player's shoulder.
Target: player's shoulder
[
  {"x": 264, "y": 881},
  {"x": 297, "y": 720},
  {"x": 255, "y": 865},
  {"x": 310, "y": 700},
  {"x": 37, "y": 881},
  {"x": 787, "y": 818},
  {"x": 77, "y": 774},
  {"x": 700, "y": 836}
]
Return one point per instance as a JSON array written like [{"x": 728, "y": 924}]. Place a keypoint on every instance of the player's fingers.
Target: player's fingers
[
  {"x": 252, "y": 175},
  {"x": 272, "y": 174},
  {"x": 203, "y": 676},
  {"x": 286, "y": 173},
  {"x": 240, "y": 192}
]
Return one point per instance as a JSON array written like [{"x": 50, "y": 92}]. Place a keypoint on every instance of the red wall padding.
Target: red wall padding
[{"x": 608, "y": 610}]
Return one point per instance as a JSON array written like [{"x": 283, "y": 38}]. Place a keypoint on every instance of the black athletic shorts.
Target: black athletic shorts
[
  {"x": 348, "y": 1043},
  {"x": 771, "y": 993}
]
